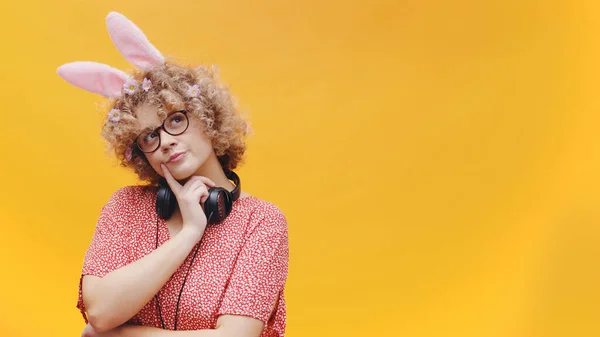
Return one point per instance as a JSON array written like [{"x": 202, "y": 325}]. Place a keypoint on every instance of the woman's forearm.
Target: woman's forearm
[
  {"x": 112, "y": 300},
  {"x": 145, "y": 331}
]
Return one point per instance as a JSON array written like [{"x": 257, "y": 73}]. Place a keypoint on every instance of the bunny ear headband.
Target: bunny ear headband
[
  {"x": 109, "y": 82},
  {"x": 105, "y": 80}
]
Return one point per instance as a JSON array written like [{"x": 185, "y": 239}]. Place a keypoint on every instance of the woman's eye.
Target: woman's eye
[{"x": 151, "y": 136}]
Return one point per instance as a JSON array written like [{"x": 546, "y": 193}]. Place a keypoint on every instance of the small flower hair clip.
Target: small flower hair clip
[
  {"x": 114, "y": 115},
  {"x": 130, "y": 86},
  {"x": 193, "y": 91},
  {"x": 146, "y": 84}
]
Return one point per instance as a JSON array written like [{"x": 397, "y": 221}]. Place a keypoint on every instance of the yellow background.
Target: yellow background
[{"x": 438, "y": 161}]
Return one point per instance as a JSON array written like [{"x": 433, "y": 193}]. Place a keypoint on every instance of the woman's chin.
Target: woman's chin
[{"x": 182, "y": 172}]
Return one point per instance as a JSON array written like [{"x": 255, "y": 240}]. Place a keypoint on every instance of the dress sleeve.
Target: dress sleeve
[
  {"x": 109, "y": 247},
  {"x": 261, "y": 270}
]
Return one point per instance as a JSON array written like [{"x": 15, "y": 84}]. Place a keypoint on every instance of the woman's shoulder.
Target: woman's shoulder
[
  {"x": 266, "y": 212},
  {"x": 131, "y": 197},
  {"x": 132, "y": 193}
]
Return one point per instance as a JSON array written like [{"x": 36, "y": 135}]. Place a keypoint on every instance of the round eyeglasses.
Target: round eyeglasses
[{"x": 176, "y": 123}]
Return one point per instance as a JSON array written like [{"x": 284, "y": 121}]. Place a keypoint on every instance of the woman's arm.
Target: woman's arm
[
  {"x": 146, "y": 331},
  {"x": 227, "y": 326},
  {"x": 112, "y": 300}
]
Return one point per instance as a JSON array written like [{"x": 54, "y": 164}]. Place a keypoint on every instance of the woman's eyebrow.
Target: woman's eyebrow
[
  {"x": 148, "y": 128},
  {"x": 167, "y": 114}
]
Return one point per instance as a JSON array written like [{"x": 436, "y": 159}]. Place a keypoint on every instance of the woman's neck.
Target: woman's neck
[{"x": 212, "y": 170}]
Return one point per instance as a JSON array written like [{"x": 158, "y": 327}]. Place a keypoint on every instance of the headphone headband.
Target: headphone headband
[{"x": 235, "y": 193}]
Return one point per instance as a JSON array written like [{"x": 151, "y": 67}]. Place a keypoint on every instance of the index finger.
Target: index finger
[{"x": 173, "y": 184}]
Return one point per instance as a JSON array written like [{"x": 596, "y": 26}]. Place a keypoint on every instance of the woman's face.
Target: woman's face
[{"x": 184, "y": 154}]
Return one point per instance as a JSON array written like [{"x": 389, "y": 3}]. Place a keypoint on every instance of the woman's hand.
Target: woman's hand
[{"x": 190, "y": 197}]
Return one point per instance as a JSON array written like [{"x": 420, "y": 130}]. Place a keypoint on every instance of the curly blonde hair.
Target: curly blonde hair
[{"x": 214, "y": 106}]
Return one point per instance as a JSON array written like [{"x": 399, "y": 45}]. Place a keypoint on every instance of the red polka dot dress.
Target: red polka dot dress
[{"x": 241, "y": 266}]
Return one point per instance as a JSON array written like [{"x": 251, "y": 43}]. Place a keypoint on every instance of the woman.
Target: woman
[{"x": 190, "y": 253}]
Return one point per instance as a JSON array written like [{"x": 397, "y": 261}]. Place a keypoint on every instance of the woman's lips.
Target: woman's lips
[{"x": 176, "y": 157}]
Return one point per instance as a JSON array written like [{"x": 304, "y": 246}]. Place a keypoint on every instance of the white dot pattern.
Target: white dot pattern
[{"x": 241, "y": 266}]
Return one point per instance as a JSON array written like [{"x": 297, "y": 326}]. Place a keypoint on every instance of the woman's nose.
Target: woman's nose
[{"x": 166, "y": 140}]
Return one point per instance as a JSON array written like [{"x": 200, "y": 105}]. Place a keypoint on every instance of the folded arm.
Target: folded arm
[
  {"x": 115, "y": 298},
  {"x": 227, "y": 326}
]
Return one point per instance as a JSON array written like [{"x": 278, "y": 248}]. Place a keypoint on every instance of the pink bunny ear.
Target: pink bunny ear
[
  {"x": 94, "y": 77},
  {"x": 131, "y": 42}
]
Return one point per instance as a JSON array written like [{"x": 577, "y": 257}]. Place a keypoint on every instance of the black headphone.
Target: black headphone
[{"x": 216, "y": 207}]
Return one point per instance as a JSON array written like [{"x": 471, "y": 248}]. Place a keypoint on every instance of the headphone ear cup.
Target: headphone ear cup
[
  {"x": 218, "y": 205},
  {"x": 211, "y": 205},
  {"x": 166, "y": 202},
  {"x": 225, "y": 204}
]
